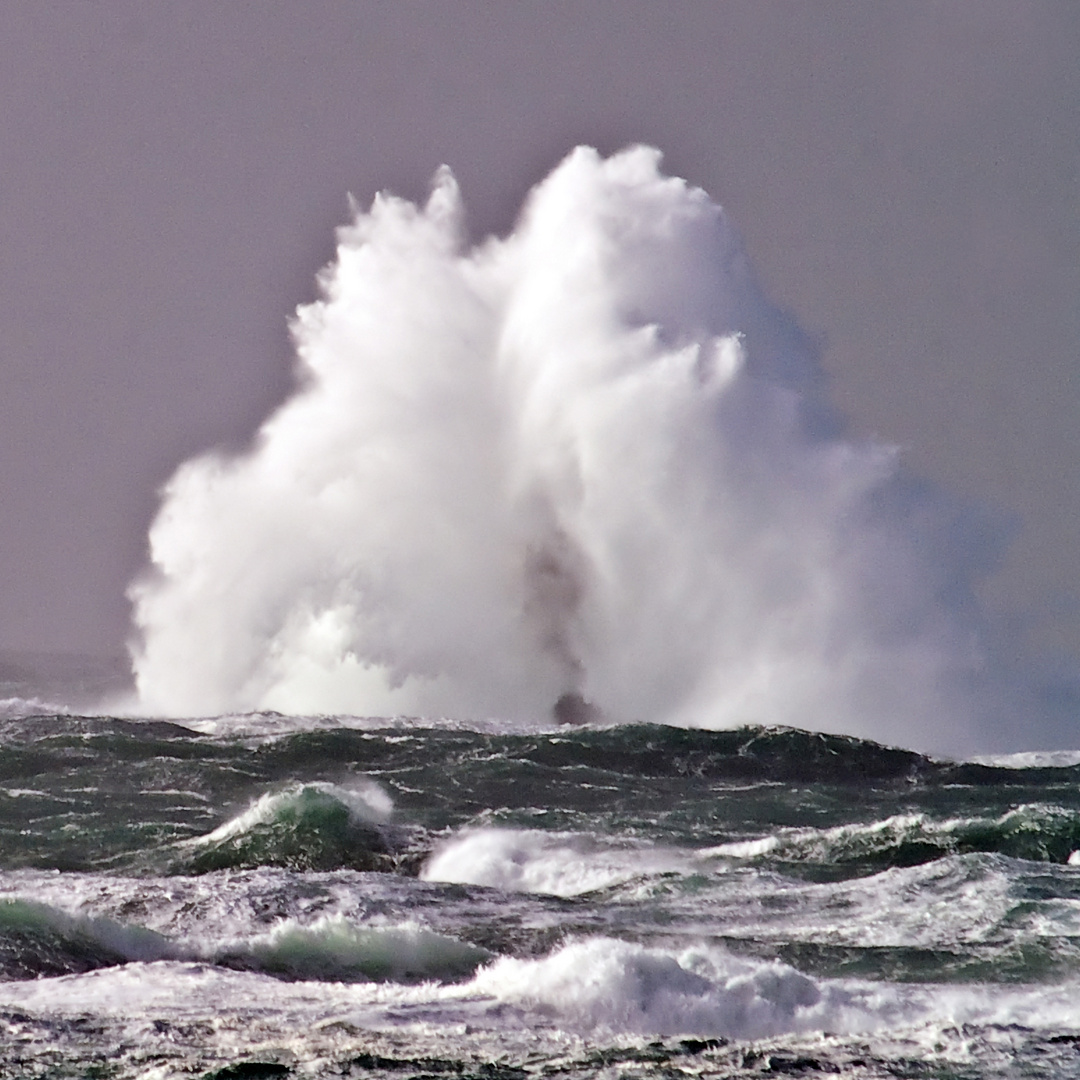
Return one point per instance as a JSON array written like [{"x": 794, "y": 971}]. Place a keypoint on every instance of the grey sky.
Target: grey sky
[{"x": 906, "y": 175}]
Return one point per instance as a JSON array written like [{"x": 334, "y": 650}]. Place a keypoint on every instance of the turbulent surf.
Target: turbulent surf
[
  {"x": 263, "y": 896},
  {"x": 574, "y": 499}
]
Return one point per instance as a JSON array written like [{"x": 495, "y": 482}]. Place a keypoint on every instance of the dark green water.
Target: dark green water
[{"x": 347, "y": 900}]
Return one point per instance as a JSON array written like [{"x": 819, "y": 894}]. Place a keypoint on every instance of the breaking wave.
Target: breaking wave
[
  {"x": 313, "y": 826},
  {"x": 335, "y": 949},
  {"x": 562, "y": 864},
  {"x": 38, "y": 940},
  {"x": 584, "y": 471},
  {"x": 1038, "y": 833}
]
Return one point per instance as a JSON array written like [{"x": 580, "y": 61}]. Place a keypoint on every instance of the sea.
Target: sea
[
  {"x": 580, "y": 473},
  {"x": 262, "y": 895}
]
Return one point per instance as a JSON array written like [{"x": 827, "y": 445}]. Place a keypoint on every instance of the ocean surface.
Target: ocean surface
[{"x": 265, "y": 896}]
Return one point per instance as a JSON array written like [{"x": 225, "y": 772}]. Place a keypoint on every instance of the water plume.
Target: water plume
[{"x": 585, "y": 470}]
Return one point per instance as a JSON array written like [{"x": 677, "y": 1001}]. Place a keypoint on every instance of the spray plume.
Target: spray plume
[{"x": 586, "y": 468}]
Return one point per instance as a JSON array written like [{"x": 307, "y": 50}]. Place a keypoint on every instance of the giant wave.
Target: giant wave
[{"x": 585, "y": 469}]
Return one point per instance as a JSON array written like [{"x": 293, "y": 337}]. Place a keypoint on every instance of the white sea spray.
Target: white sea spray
[{"x": 586, "y": 467}]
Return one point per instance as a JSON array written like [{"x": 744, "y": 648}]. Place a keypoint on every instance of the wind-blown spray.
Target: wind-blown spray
[{"x": 585, "y": 468}]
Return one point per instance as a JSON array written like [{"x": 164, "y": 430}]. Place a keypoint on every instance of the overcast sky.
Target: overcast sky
[{"x": 906, "y": 175}]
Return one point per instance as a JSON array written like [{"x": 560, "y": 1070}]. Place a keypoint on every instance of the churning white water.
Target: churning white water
[{"x": 585, "y": 468}]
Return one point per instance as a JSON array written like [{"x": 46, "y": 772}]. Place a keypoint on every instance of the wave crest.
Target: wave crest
[{"x": 312, "y": 826}]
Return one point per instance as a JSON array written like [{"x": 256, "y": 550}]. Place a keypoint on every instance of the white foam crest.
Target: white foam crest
[
  {"x": 836, "y": 840},
  {"x": 840, "y": 843},
  {"x": 270, "y": 726},
  {"x": 593, "y": 988},
  {"x": 329, "y": 946},
  {"x": 559, "y": 863},
  {"x": 366, "y": 801},
  {"x": 584, "y": 463},
  {"x": 946, "y": 904},
  {"x": 616, "y": 986},
  {"x": 132, "y": 943},
  {"x": 333, "y": 947},
  {"x": 602, "y": 985}
]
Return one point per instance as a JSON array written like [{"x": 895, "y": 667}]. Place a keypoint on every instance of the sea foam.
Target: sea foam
[
  {"x": 334, "y": 948},
  {"x": 531, "y": 860},
  {"x": 585, "y": 470}
]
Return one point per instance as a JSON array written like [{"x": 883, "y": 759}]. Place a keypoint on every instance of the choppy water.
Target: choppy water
[{"x": 267, "y": 896}]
